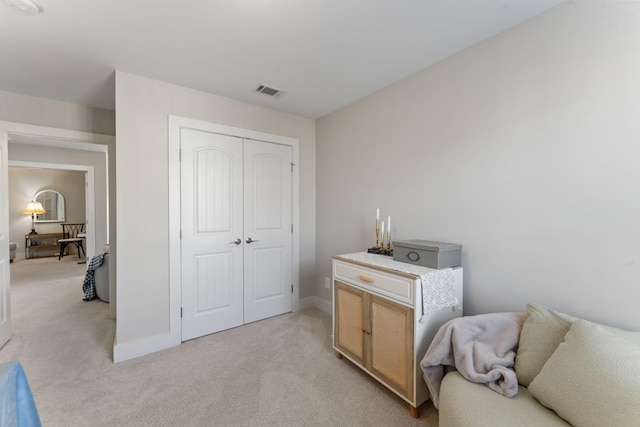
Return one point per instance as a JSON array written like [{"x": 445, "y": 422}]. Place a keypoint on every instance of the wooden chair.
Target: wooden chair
[{"x": 70, "y": 236}]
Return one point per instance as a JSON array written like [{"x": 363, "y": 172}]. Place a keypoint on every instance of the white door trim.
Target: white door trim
[
  {"x": 90, "y": 209},
  {"x": 175, "y": 125},
  {"x": 70, "y": 139}
]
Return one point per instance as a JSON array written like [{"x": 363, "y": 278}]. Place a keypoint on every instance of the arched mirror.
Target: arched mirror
[{"x": 53, "y": 204}]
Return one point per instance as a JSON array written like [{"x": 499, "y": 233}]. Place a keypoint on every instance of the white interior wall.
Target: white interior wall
[
  {"x": 142, "y": 109},
  {"x": 524, "y": 149},
  {"x": 18, "y": 108}
]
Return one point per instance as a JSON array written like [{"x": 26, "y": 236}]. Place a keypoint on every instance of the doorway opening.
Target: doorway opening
[
  {"x": 29, "y": 146},
  {"x": 73, "y": 185}
]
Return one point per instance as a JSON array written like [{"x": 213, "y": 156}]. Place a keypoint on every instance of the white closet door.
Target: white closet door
[
  {"x": 211, "y": 215},
  {"x": 5, "y": 303},
  {"x": 267, "y": 230}
]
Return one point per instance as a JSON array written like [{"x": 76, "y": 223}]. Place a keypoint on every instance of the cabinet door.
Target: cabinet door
[
  {"x": 391, "y": 344},
  {"x": 349, "y": 321}
]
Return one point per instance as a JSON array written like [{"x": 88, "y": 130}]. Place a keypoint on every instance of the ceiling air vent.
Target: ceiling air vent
[{"x": 269, "y": 91}]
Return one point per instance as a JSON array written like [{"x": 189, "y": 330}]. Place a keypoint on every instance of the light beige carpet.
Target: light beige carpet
[{"x": 276, "y": 372}]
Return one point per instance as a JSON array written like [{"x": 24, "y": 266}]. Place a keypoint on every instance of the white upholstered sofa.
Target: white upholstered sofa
[{"x": 569, "y": 372}]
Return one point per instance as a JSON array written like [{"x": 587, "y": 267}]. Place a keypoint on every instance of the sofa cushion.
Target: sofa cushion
[
  {"x": 542, "y": 332},
  {"x": 463, "y": 403},
  {"x": 593, "y": 378}
]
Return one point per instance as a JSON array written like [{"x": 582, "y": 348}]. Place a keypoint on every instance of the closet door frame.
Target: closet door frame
[{"x": 176, "y": 124}]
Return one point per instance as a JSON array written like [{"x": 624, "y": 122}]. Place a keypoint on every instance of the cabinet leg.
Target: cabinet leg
[
  {"x": 338, "y": 355},
  {"x": 414, "y": 412}
]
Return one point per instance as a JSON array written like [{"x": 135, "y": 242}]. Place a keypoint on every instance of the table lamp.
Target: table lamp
[{"x": 33, "y": 208}]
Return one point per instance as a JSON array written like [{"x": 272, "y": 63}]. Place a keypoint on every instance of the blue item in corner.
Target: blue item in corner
[{"x": 17, "y": 407}]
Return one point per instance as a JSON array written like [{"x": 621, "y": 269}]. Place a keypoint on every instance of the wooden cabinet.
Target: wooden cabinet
[
  {"x": 378, "y": 325},
  {"x": 41, "y": 245}
]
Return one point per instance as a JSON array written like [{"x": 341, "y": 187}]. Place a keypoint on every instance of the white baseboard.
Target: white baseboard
[
  {"x": 315, "y": 302},
  {"x": 131, "y": 350}
]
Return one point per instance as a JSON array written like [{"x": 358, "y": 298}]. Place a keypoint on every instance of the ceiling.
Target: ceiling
[{"x": 324, "y": 53}]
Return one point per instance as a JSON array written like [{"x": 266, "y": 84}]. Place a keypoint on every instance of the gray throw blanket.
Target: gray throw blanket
[{"x": 482, "y": 348}]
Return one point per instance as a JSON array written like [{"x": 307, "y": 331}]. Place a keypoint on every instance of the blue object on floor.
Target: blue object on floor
[{"x": 17, "y": 407}]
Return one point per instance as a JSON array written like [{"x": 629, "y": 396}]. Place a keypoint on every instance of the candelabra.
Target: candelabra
[{"x": 380, "y": 246}]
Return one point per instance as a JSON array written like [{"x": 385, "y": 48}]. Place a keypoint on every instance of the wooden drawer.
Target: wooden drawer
[{"x": 394, "y": 286}]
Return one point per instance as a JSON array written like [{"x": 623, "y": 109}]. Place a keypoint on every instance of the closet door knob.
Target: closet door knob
[
  {"x": 250, "y": 240},
  {"x": 236, "y": 242}
]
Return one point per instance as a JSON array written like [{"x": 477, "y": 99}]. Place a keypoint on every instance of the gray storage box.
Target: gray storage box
[{"x": 428, "y": 254}]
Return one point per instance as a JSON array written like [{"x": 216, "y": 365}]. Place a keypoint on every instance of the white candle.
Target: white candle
[
  {"x": 382, "y": 232},
  {"x": 389, "y": 223},
  {"x": 377, "y": 214}
]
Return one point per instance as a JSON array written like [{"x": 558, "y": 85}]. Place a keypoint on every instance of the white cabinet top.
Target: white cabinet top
[{"x": 438, "y": 286}]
